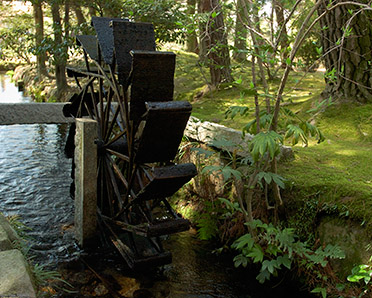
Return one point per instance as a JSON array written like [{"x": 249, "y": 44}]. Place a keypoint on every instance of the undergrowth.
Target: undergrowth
[{"x": 332, "y": 177}]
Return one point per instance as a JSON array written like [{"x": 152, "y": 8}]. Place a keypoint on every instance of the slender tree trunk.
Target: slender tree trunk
[
  {"x": 284, "y": 42},
  {"x": 39, "y": 36},
  {"x": 216, "y": 43},
  {"x": 67, "y": 19},
  {"x": 203, "y": 31},
  {"x": 192, "y": 41},
  {"x": 59, "y": 55},
  {"x": 240, "y": 40},
  {"x": 347, "y": 46},
  {"x": 78, "y": 12},
  {"x": 92, "y": 11}
]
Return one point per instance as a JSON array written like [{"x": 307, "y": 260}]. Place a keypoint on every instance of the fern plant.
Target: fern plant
[{"x": 276, "y": 248}]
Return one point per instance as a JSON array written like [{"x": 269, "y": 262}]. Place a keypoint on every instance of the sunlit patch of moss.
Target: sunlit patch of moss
[{"x": 337, "y": 171}]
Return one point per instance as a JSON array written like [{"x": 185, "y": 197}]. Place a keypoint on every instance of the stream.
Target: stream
[{"x": 34, "y": 184}]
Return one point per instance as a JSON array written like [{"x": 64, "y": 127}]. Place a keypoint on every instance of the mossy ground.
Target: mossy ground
[{"x": 337, "y": 171}]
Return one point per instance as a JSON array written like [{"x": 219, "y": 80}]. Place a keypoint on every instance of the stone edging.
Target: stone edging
[{"x": 15, "y": 275}]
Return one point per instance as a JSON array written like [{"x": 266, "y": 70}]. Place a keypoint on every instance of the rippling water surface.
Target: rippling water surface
[{"x": 35, "y": 180}]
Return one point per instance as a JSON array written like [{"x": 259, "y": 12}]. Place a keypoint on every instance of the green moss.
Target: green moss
[{"x": 337, "y": 171}]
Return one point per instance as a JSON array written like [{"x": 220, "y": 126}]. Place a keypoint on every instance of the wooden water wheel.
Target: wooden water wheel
[{"x": 127, "y": 87}]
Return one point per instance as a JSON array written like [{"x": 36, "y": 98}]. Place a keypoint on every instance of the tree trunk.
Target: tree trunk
[
  {"x": 240, "y": 40},
  {"x": 203, "y": 32},
  {"x": 67, "y": 19},
  {"x": 59, "y": 53},
  {"x": 283, "y": 42},
  {"x": 92, "y": 11},
  {"x": 192, "y": 41},
  {"x": 347, "y": 56},
  {"x": 216, "y": 43},
  {"x": 39, "y": 36},
  {"x": 79, "y": 14}
]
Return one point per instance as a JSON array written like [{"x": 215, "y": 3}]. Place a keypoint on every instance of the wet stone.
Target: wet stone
[
  {"x": 12, "y": 235},
  {"x": 15, "y": 279},
  {"x": 4, "y": 240}
]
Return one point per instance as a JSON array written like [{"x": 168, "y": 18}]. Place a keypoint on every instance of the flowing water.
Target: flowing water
[
  {"x": 35, "y": 179},
  {"x": 34, "y": 183}
]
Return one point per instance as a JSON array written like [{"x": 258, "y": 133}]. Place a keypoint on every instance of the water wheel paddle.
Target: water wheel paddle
[{"x": 127, "y": 87}]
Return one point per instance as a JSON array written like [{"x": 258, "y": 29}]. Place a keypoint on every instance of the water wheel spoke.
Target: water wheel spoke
[
  {"x": 119, "y": 155},
  {"x": 112, "y": 123},
  {"x": 94, "y": 102},
  {"x": 109, "y": 164},
  {"x": 101, "y": 180},
  {"x": 116, "y": 137},
  {"x": 108, "y": 195},
  {"x": 144, "y": 213},
  {"x": 107, "y": 113},
  {"x": 117, "y": 171},
  {"x": 91, "y": 115},
  {"x": 101, "y": 105}
]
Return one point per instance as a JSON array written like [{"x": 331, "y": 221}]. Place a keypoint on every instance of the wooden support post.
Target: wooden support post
[{"x": 85, "y": 180}]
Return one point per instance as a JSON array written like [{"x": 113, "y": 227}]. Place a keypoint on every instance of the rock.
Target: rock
[
  {"x": 12, "y": 235},
  {"x": 352, "y": 238},
  {"x": 15, "y": 280},
  {"x": 5, "y": 244},
  {"x": 207, "y": 132}
]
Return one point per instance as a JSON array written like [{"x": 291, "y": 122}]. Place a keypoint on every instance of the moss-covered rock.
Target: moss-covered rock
[{"x": 352, "y": 238}]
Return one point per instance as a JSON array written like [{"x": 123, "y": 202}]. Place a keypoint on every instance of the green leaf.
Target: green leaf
[
  {"x": 320, "y": 290},
  {"x": 238, "y": 81},
  {"x": 263, "y": 276},
  {"x": 295, "y": 132},
  {"x": 201, "y": 151},
  {"x": 279, "y": 180},
  {"x": 221, "y": 143},
  {"x": 360, "y": 272},
  {"x": 256, "y": 253},
  {"x": 265, "y": 142},
  {"x": 269, "y": 177},
  {"x": 340, "y": 287},
  {"x": 245, "y": 241},
  {"x": 235, "y": 110},
  {"x": 285, "y": 261},
  {"x": 240, "y": 260},
  {"x": 228, "y": 172},
  {"x": 269, "y": 266},
  {"x": 211, "y": 169},
  {"x": 230, "y": 205}
]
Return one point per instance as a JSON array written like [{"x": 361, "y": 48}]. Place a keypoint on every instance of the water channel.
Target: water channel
[{"x": 34, "y": 184}]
